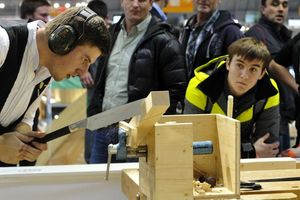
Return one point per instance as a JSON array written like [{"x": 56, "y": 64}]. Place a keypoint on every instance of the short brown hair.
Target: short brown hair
[
  {"x": 250, "y": 49},
  {"x": 95, "y": 32},
  {"x": 28, "y": 7}
]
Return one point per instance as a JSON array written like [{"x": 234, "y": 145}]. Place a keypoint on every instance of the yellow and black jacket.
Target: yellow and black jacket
[{"x": 257, "y": 110}]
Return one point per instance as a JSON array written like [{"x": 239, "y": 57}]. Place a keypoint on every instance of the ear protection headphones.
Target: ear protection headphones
[{"x": 65, "y": 37}]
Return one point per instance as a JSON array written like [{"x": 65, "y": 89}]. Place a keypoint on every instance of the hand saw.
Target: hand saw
[
  {"x": 277, "y": 179},
  {"x": 97, "y": 121}
]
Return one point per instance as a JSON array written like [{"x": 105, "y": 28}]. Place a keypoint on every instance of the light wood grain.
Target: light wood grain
[{"x": 253, "y": 164}]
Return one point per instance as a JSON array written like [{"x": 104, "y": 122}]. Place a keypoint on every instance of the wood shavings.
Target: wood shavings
[{"x": 201, "y": 188}]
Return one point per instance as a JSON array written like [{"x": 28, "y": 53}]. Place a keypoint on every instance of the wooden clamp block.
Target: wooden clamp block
[{"x": 156, "y": 104}]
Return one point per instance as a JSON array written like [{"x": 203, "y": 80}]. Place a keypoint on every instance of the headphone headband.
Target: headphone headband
[{"x": 65, "y": 37}]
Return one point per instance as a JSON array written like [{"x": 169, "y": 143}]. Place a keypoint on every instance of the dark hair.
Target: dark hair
[
  {"x": 263, "y": 2},
  {"x": 94, "y": 31},
  {"x": 28, "y": 7},
  {"x": 250, "y": 49},
  {"x": 99, "y": 7}
]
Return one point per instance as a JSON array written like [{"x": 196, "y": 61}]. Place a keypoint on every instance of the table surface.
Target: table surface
[{"x": 272, "y": 187}]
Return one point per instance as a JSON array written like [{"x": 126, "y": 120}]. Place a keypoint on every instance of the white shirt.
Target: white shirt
[
  {"x": 29, "y": 76},
  {"x": 116, "y": 93}
]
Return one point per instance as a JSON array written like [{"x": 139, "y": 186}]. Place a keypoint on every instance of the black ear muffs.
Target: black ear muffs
[{"x": 65, "y": 37}]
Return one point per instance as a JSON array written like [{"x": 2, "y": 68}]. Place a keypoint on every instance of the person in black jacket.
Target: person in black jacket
[
  {"x": 145, "y": 57},
  {"x": 270, "y": 30},
  {"x": 88, "y": 79},
  {"x": 157, "y": 9},
  {"x": 207, "y": 34},
  {"x": 287, "y": 56},
  {"x": 32, "y": 10}
]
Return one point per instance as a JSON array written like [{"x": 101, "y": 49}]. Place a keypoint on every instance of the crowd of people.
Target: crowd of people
[{"x": 200, "y": 65}]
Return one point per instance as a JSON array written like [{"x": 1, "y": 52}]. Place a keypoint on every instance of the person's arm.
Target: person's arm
[
  {"x": 32, "y": 152},
  {"x": 264, "y": 149},
  {"x": 284, "y": 59},
  {"x": 266, "y": 135},
  {"x": 280, "y": 73},
  {"x": 172, "y": 71},
  {"x": 86, "y": 80},
  {"x": 189, "y": 108},
  {"x": 12, "y": 147}
]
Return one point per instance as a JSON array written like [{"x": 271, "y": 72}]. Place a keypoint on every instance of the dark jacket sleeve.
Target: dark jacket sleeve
[
  {"x": 284, "y": 57},
  {"x": 173, "y": 72},
  {"x": 231, "y": 33},
  {"x": 268, "y": 122},
  {"x": 190, "y": 108}
]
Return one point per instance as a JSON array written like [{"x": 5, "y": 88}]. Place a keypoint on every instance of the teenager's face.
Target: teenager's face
[
  {"x": 74, "y": 63},
  {"x": 206, "y": 6},
  {"x": 136, "y": 10},
  {"x": 275, "y": 10},
  {"x": 243, "y": 74}
]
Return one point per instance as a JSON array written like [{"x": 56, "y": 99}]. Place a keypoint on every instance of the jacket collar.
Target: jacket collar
[
  {"x": 215, "y": 84},
  {"x": 282, "y": 31},
  {"x": 224, "y": 19}
]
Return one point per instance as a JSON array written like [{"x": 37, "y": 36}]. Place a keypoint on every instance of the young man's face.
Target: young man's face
[
  {"x": 243, "y": 74},
  {"x": 74, "y": 63},
  {"x": 41, "y": 13},
  {"x": 136, "y": 10},
  {"x": 275, "y": 10},
  {"x": 206, "y": 6}
]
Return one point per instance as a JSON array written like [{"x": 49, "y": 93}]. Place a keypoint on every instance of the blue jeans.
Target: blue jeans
[
  {"x": 103, "y": 137},
  {"x": 284, "y": 134},
  {"x": 88, "y": 144}
]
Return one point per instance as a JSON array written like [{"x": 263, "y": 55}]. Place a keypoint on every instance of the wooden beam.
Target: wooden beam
[
  {"x": 276, "y": 196},
  {"x": 156, "y": 104},
  {"x": 267, "y": 163}
]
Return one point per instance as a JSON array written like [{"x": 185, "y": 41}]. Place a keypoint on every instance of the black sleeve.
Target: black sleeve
[{"x": 284, "y": 57}]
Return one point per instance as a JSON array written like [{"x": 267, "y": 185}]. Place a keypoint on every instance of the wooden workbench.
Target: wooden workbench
[
  {"x": 269, "y": 191},
  {"x": 273, "y": 187}
]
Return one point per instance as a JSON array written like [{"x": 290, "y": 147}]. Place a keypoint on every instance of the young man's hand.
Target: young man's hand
[
  {"x": 87, "y": 80},
  {"x": 31, "y": 153},
  {"x": 12, "y": 147},
  {"x": 263, "y": 149}
]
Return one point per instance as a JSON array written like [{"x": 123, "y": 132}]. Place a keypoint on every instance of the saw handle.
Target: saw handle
[{"x": 53, "y": 135}]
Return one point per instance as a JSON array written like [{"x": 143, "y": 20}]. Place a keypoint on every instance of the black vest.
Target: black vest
[{"x": 9, "y": 71}]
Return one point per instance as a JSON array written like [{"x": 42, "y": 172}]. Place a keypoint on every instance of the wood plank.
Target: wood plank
[
  {"x": 173, "y": 161},
  {"x": 275, "y": 196},
  {"x": 56, "y": 148},
  {"x": 167, "y": 172},
  {"x": 273, "y": 187},
  {"x": 267, "y": 163},
  {"x": 156, "y": 104},
  {"x": 297, "y": 163},
  {"x": 229, "y": 143},
  {"x": 130, "y": 183}
]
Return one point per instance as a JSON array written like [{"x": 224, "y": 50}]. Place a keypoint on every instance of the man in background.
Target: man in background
[
  {"x": 241, "y": 74},
  {"x": 157, "y": 9},
  {"x": 207, "y": 34},
  {"x": 287, "y": 56},
  {"x": 88, "y": 79},
  {"x": 32, "y": 10},
  {"x": 270, "y": 30},
  {"x": 145, "y": 56}
]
